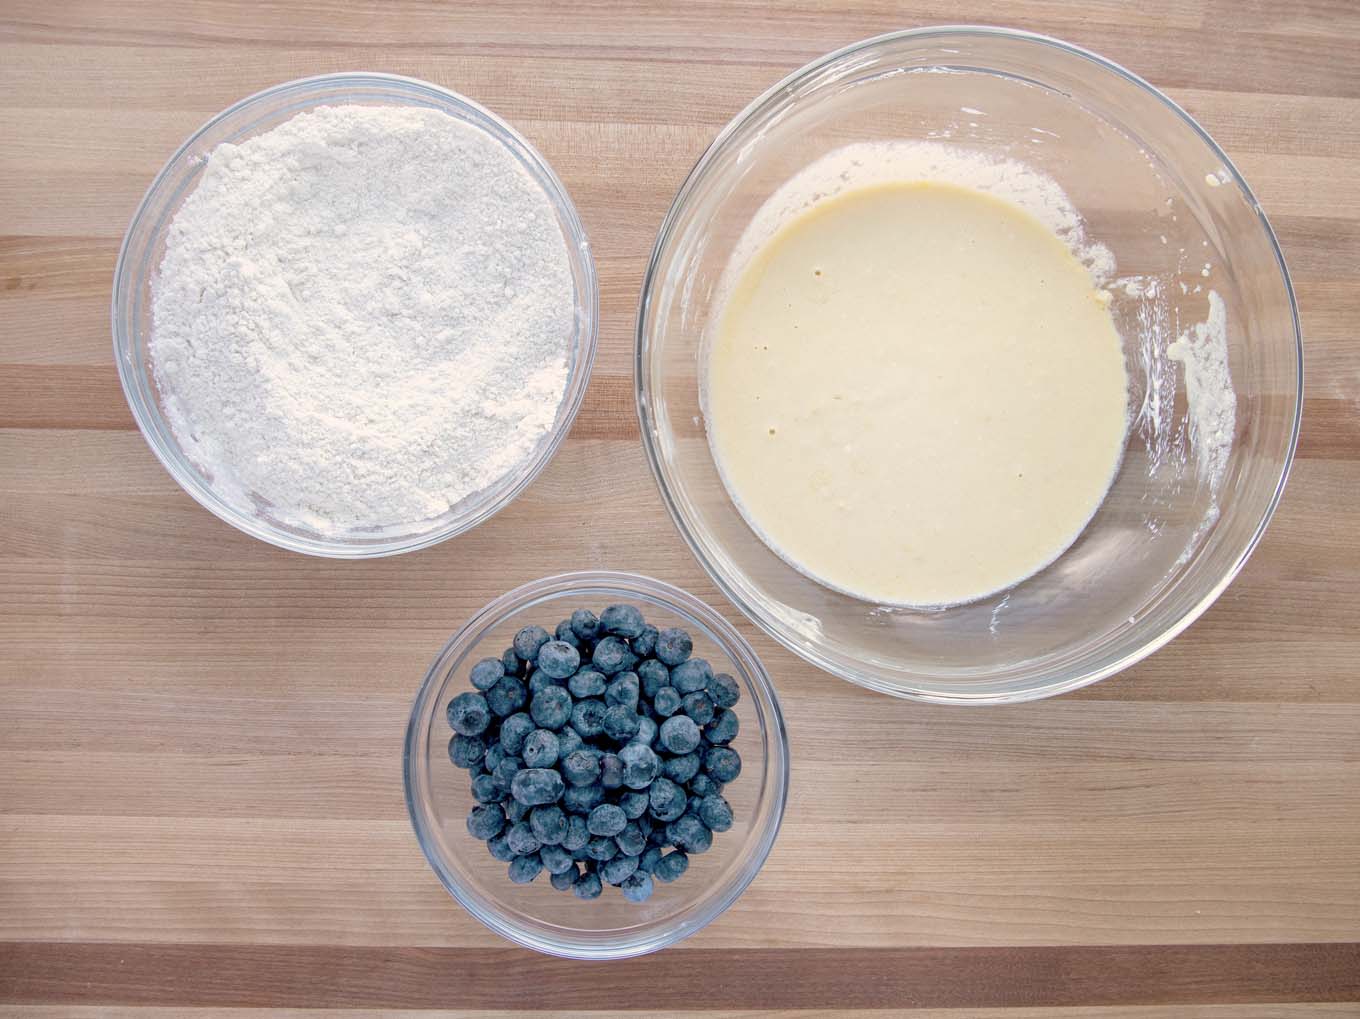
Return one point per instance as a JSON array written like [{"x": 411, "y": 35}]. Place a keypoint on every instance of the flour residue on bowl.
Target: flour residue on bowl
[{"x": 1202, "y": 353}]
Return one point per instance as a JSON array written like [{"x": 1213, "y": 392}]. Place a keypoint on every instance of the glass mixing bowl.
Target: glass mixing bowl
[
  {"x": 144, "y": 247},
  {"x": 536, "y": 915},
  {"x": 1179, "y": 220}
]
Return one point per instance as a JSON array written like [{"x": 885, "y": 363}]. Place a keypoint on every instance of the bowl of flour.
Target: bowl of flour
[{"x": 355, "y": 315}]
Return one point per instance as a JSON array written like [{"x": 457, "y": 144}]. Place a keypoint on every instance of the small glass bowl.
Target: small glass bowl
[
  {"x": 144, "y": 247},
  {"x": 1178, "y": 218},
  {"x": 536, "y": 915}
]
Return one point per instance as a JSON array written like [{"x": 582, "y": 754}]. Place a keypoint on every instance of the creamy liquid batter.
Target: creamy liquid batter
[{"x": 916, "y": 394}]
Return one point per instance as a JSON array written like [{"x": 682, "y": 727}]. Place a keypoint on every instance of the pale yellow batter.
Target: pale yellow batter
[{"x": 916, "y": 394}]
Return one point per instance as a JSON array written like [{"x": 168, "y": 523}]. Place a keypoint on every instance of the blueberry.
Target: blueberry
[
  {"x": 715, "y": 812},
  {"x": 673, "y": 646},
  {"x": 556, "y": 859},
  {"x": 646, "y": 731},
  {"x": 622, "y": 621},
  {"x": 640, "y": 764},
  {"x": 611, "y": 771},
  {"x": 644, "y": 823},
  {"x": 698, "y": 707},
  {"x": 466, "y": 751},
  {"x": 551, "y": 707},
  {"x": 540, "y": 680},
  {"x": 524, "y": 869},
  {"x": 566, "y": 634},
  {"x": 666, "y": 702},
  {"x": 693, "y": 804},
  {"x": 645, "y": 642},
  {"x": 468, "y": 714},
  {"x": 723, "y": 690},
  {"x": 601, "y": 848},
  {"x": 582, "y": 799},
  {"x": 506, "y": 697},
  {"x": 637, "y": 887},
  {"x": 691, "y": 675},
  {"x": 690, "y": 833},
  {"x": 588, "y": 886},
  {"x": 528, "y": 641},
  {"x": 514, "y": 731},
  {"x": 631, "y": 840},
  {"x": 548, "y": 824},
  {"x": 581, "y": 767},
  {"x": 485, "y": 821},
  {"x": 500, "y": 848},
  {"x": 667, "y": 800},
  {"x": 564, "y": 879},
  {"x": 671, "y": 866},
  {"x": 584, "y": 624},
  {"x": 495, "y": 753},
  {"x": 657, "y": 837},
  {"x": 568, "y": 741},
  {"x": 634, "y": 804},
  {"x": 558, "y": 659},
  {"x": 535, "y": 786},
  {"x": 617, "y": 870},
  {"x": 611, "y": 655},
  {"x": 722, "y": 764},
  {"x": 516, "y": 811},
  {"x": 580, "y": 855},
  {"x": 540, "y": 749},
  {"x": 577, "y": 834},
  {"x": 506, "y": 771},
  {"x": 620, "y": 722},
  {"x": 586, "y": 683},
  {"x": 724, "y": 727},
  {"x": 485, "y": 673},
  {"x": 484, "y": 790},
  {"x": 682, "y": 768},
  {"x": 521, "y": 838},
  {"x": 623, "y": 691},
  {"x": 587, "y": 718},
  {"x": 679, "y": 734},
  {"x": 647, "y": 861},
  {"x": 703, "y": 785},
  {"x": 510, "y": 662},
  {"x": 653, "y": 676},
  {"x": 608, "y": 819}
]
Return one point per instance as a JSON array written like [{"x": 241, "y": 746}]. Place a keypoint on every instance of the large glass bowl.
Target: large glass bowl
[
  {"x": 1152, "y": 187},
  {"x": 536, "y": 915},
  {"x": 144, "y": 247}
]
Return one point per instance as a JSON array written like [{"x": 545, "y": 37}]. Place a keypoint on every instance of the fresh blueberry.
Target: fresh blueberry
[
  {"x": 495, "y": 753},
  {"x": 673, "y": 646},
  {"x": 586, "y": 683},
  {"x": 679, "y": 734},
  {"x": 653, "y": 676},
  {"x": 485, "y": 673},
  {"x": 691, "y": 675},
  {"x": 588, "y": 886},
  {"x": 484, "y": 790},
  {"x": 540, "y": 680},
  {"x": 647, "y": 861},
  {"x": 611, "y": 655},
  {"x": 516, "y": 811},
  {"x": 549, "y": 825},
  {"x": 558, "y": 659},
  {"x": 528, "y": 641},
  {"x": 623, "y": 691},
  {"x": 634, "y": 804},
  {"x": 657, "y": 837},
  {"x": 500, "y": 848},
  {"x": 703, "y": 785},
  {"x": 646, "y": 731},
  {"x": 666, "y": 702},
  {"x": 640, "y": 764},
  {"x": 485, "y": 821},
  {"x": 551, "y": 708},
  {"x": 510, "y": 663},
  {"x": 611, "y": 771},
  {"x": 582, "y": 799},
  {"x": 645, "y": 642},
  {"x": 524, "y": 869},
  {"x": 506, "y": 697},
  {"x": 722, "y": 764},
  {"x": 541, "y": 749},
  {"x": 587, "y": 717},
  {"x": 637, "y": 887},
  {"x": 622, "y": 621},
  {"x": 682, "y": 768},
  {"x": 556, "y": 859},
  {"x": 566, "y": 634},
  {"x": 620, "y": 723},
  {"x": 671, "y": 866},
  {"x": 715, "y": 812},
  {"x": 568, "y": 741},
  {"x": 723, "y": 690},
  {"x": 690, "y": 833},
  {"x": 724, "y": 727},
  {"x": 631, "y": 840},
  {"x": 522, "y": 839},
  {"x": 506, "y": 771},
  {"x": 584, "y": 624},
  {"x": 468, "y": 714},
  {"x": 617, "y": 870},
  {"x": 535, "y": 786},
  {"x": 667, "y": 800},
  {"x": 577, "y": 834},
  {"x": 466, "y": 751},
  {"x": 563, "y": 880},
  {"x": 698, "y": 707},
  {"x": 644, "y": 823},
  {"x": 601, "y": 848},
  {"x": 581, "y": 855},
  {"x": 608, "y": 819},
  {"x": 514, "y": 731},
  {"x": 581, "y": 767}
]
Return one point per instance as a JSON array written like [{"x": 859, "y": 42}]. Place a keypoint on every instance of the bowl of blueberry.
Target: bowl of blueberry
[{"x": 596, "y": 765}]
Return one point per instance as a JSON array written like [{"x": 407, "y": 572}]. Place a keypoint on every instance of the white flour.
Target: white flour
[
  {"x": 362, "y": 317},
  {"x": 1202, "y": 352}
]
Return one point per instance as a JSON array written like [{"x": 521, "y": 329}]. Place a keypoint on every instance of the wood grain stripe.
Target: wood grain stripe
[{"x": 332, "y": 977}]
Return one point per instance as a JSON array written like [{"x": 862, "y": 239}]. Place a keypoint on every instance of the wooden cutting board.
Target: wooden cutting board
[{"x": 200, "y": 789}]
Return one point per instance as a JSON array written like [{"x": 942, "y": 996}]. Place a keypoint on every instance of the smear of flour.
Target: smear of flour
[{"x": 1202, "y": 353}]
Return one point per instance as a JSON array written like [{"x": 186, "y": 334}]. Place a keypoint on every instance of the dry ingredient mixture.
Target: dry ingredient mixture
[{"x": 362, "y": 317}]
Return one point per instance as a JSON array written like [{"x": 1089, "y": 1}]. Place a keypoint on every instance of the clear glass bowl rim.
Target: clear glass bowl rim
[
  {"x": 587, "y": 311},
  {"x": 642, "y": 389},
  {"x": 593, "y": 583}
]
